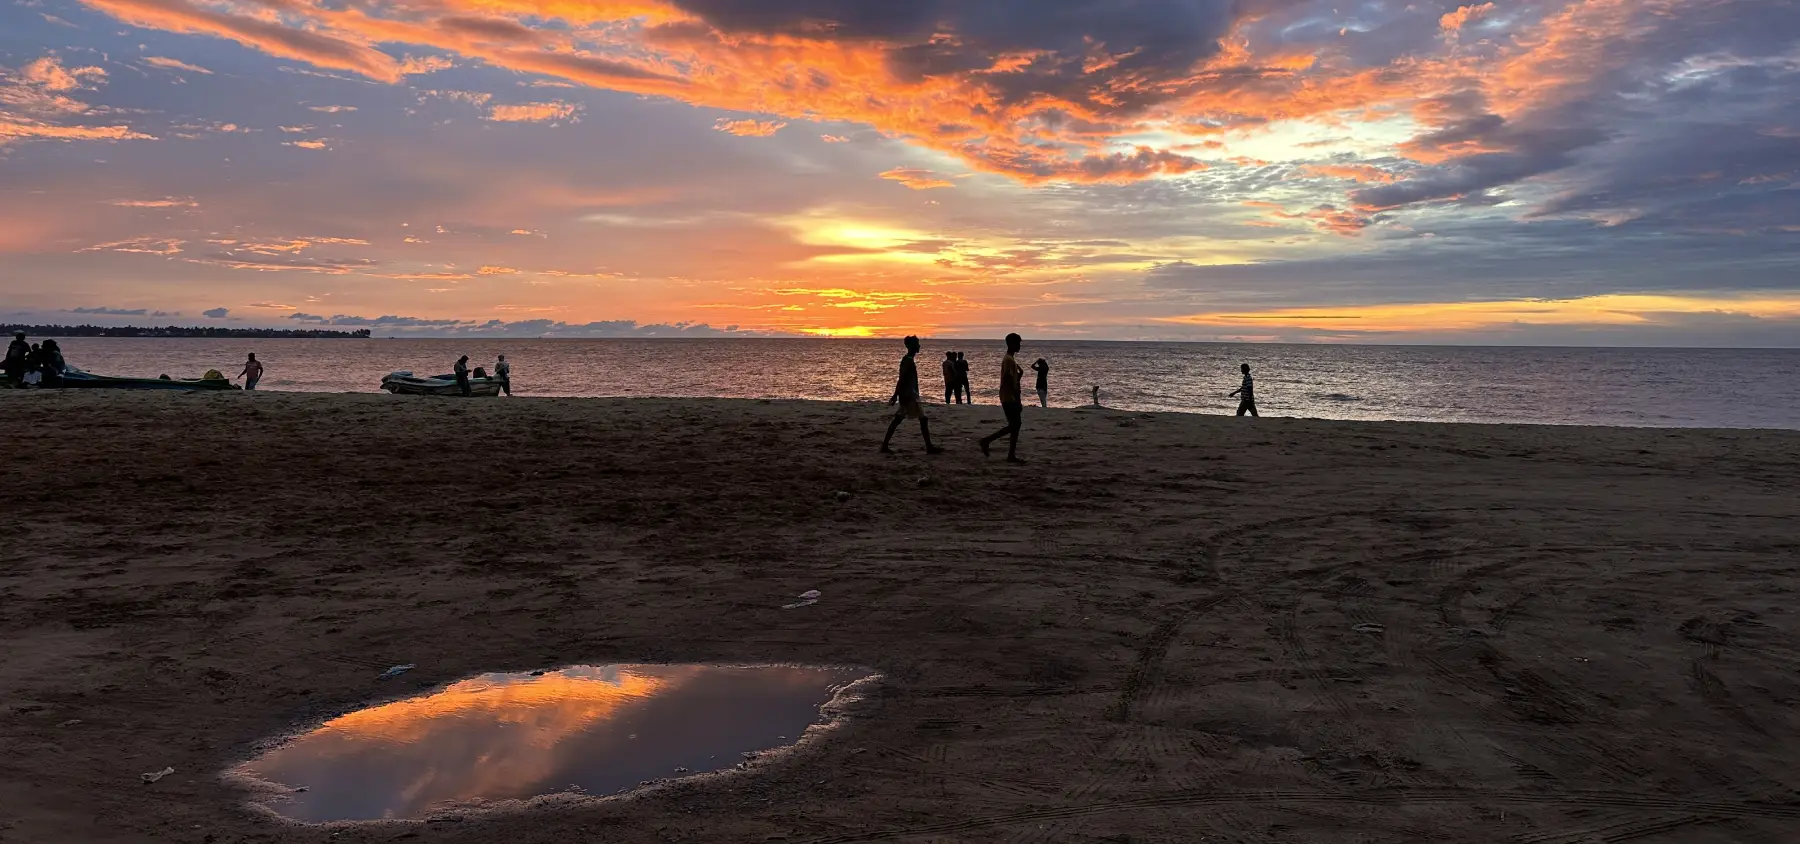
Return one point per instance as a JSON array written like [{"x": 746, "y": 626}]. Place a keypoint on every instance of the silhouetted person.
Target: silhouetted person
[
  {"x": 1096, "y": 395},
  {"x": 906, "y": 394},
  {"x": 951, "y": 386},
  {"x": 52, "y": 364},
  {"x": 253, "y": 372},
  {"x": 16, "y": 353},
  {"x": 1010, "y": 402},
  {"x": 1042, "y": 367},
  {"x": 962, "y": 378},
  {"x": 462, "y": 375},
  {"x": 503, "y": 371},
  {"x": 1247, "y": 393},
  {"x": 34, "y": 359}
]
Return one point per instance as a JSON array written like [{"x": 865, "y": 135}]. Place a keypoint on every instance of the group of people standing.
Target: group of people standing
[
  {"x": 33, "y": 364},
  {"x": 956, "y": 380}
]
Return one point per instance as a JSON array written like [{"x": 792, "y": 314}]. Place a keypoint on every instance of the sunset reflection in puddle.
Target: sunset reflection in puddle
[{"x": 587, "y": 729}]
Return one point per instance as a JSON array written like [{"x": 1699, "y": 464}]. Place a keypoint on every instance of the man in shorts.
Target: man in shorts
[{"x": 906, "y": 395}]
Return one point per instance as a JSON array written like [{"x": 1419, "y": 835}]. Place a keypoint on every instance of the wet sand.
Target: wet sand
[{"x": 1163, "y": 628}]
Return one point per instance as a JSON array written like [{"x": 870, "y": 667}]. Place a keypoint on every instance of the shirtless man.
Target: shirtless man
[
  {"x": 1011, "y": 402},
  {"x": 906, "y": 395},
  {"x": 253, "y": 372}
]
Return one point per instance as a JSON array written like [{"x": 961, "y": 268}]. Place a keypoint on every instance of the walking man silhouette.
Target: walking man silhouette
[
  {"x": 1246, "y": 393},
  {"x": 906, "y": 394},
  {"x": 1010, "y": 402}
]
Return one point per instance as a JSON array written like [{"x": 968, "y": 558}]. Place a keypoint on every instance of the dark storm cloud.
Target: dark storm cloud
[
  {"x": 1675, "y": 111},
  {"x": 1148, "y": 42}
]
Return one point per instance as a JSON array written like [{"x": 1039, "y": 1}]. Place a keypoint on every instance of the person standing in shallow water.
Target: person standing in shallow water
[
  {"x": 462, "y": 375},
  {"x": 1246, "y": 393},
  {"x": 1042, "y": 367},
  {"x": 962, "y": 379},
  {"x": 253, "y": 372},
  {"x": 503, "y": 371},
  {"x": 1010, "y": 402},
  {"x": 906, "y": 394},
  {"x": 951, "y": 387}
]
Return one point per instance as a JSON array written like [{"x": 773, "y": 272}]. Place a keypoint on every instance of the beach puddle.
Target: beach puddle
[{"x": 595, "y": 730}]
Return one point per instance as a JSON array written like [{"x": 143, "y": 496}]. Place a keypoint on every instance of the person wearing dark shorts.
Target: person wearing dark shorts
[
  {"x": 1011, "y": 402},
  {"x": 1246, "y": 394},
  {"x": 950, "y": 384},
  {"x": 962, "y": 379}
]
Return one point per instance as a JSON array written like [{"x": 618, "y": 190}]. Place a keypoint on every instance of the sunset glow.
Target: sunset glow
[{"x": 1170, "y": 170}]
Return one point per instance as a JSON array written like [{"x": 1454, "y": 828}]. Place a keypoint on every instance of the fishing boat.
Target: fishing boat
[
  {"x": 212, "y": 380},
  {"x": 408, "y": 384}
]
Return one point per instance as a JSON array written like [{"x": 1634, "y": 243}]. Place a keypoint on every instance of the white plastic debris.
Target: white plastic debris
[
  {"x": 153, "y": 777},
  {"x": 397, "y": 671},
  {"x": 1370, "y": 628},
  {"x": 807, "y": 599}
]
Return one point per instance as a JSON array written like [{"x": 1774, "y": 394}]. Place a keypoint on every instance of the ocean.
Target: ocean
[{"x": 1711, "y": 388}]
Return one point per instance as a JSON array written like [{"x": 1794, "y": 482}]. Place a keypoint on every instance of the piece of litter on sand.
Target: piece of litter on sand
[
  {"x": 157, "y": 775},
  {"x": 807, "y": 599},
  {"x": 1370, "y": 628},
  {"x": 70, "y": 723},
  {"x": 397, "y": 671}
]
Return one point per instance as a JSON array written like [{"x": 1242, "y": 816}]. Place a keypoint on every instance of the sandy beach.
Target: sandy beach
[{"x": 1163, "y": 628}]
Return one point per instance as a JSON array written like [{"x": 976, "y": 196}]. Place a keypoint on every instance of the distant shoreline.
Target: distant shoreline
[{"x": 178, "y": 332}]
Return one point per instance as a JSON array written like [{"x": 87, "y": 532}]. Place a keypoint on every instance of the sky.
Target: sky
[{"x": 1586, "y": 172}]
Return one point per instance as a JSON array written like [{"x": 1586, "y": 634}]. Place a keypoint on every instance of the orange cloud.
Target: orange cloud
[
  {"x": 11, "y": 130},
  {"x": 917, "y": 179},
  {"x": 534, "y": 112},
  {"x": 49, "y": 74},
  {"x": 834, "y": 139},
  {"x": 749, "y": 128},
  {"x": 141, "y": 245},
  {"x": 307, "y": 144},
  {"x": 493, "y": 270},
  {"x": 269, "y": 35},
  {"x": 1463, "y": 16},
  {"x": 1325, "y": 217},
  {"x": 174, "y": 64}
]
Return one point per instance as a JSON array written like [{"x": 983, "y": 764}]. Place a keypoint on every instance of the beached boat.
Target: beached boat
[
  {"x": 408, "y": 384},
  {"x": 77, "y": 379}
]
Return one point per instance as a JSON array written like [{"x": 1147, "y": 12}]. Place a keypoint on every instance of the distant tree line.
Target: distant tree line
[{"x": 175, "y": 331}]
